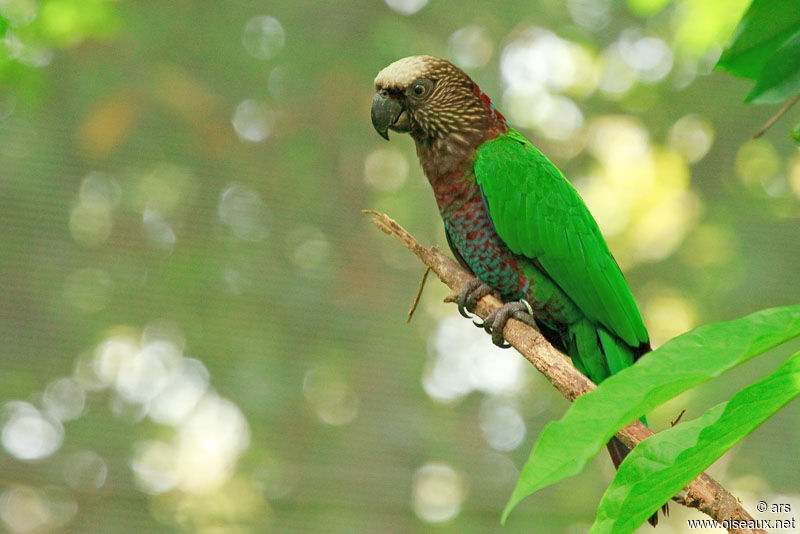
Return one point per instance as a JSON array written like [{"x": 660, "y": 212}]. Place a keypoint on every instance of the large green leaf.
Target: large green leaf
[
  {"x": 661, "y": 465},
  {"x": 565, "y": 446},
  {"x": 780, "y": 78},
  {"x": 765, "y": 26}
]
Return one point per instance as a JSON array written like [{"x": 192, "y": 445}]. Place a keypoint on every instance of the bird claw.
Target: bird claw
[
  {"x": 487, "y": 324},
  {"x": 473, "y": 291},
  {"x": 495, "y": 322}
]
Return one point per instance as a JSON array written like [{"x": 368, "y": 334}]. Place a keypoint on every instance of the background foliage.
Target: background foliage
[{"x": 202, "y": 332}]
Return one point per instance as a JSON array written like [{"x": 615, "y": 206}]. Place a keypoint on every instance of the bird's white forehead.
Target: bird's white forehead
[{"x": 402, "y": 72}]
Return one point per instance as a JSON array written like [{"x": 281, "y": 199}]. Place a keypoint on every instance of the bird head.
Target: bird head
[{"x": 427, "y": 97}]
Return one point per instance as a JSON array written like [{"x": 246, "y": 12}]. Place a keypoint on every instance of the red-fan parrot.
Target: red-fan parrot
[{"x": 513, "y": 219}]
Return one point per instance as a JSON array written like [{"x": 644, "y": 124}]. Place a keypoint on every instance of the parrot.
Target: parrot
[{"x": 513, "y": 220}]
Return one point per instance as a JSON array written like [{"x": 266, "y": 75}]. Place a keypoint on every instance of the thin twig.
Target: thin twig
[
  {"x": 786, "y": 105},
  {"x": 419, "y": 294},
  {"x": 678, "y": 419},
  {"x": 703, "y": 493}
]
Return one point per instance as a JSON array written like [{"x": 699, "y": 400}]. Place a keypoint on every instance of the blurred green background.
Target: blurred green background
[{"x": 202, "y": 333}]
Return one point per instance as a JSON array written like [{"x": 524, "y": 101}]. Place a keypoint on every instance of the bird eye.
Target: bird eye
[{"x": 420, "y": 88}]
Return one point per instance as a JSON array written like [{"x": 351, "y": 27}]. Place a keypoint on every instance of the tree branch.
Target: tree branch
[{"x": 703, "y": 493}]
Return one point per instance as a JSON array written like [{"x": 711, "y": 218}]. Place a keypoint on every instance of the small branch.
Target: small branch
[
  {"x": 781, "y": 112},
  {"x": 419, "y": 294},
  {"x": 678, "y": 419},
  {"x": 703, "y": 493}
]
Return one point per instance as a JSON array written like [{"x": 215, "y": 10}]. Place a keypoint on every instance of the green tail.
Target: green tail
[{"x": 597, "y": 353}]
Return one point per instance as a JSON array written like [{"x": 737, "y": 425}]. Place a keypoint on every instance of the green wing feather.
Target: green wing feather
[{"x": 538, "y": 214}]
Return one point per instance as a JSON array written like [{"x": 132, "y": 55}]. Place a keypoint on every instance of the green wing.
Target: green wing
[{"x": 538, "y": 214}]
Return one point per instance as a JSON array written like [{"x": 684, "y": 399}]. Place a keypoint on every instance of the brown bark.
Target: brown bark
[{"x": 703, "y": 493}]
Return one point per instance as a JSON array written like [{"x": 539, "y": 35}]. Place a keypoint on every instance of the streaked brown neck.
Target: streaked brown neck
[{"x": 447, "y": 158}]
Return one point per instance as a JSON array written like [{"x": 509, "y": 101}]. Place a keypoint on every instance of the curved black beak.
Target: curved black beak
[{"x": 385, "y": 112}]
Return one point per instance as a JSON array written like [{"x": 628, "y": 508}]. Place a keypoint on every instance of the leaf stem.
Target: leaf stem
[{"x": 788, "y": 104}]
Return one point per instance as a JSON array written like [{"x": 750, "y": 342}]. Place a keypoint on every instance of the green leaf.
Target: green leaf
[
  {"x": 796, "y": 132},
  {"x": 565, "y": 446},
  {"x": 780, "y": 78},
  {"x": 663, "y": 464},
  {"x": 765, "y": 26}
]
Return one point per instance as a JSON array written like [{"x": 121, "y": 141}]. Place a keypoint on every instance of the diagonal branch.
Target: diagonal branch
[{"x": 703, "y": 493}]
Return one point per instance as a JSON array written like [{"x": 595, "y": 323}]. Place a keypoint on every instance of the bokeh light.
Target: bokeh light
[
  {"x": 209, "y": 443},
  {"x": 539, "y": 59},
  {"x": 85, "y": 471},
  {"x": 757, "y": 164},
  {"x": 158, "y": 231},
  {"x": 64, "y": 399},
  {"x": 331, "y": 397},
  {"x": 460, "y": 361},
  {"x": 165, "y": 189},
  {"x": 470, "y": 47},
  {"x": 308, "y": 249},
  {"x": 27, "y": 433},
  {"x": 275, "y": 479},
  {"x": 438, "y": 492},
  {"x": 88, "y": 290},
  {"x": 501, "y": 424},
  {"x": 149, "y": 377},
  {"x": 264, "y": 37},
  {"x": 691, "y": 136},
  {"x": 385, "y": 169},
  {"x": 253, "y": 120},
  {"x": 710, "y": 245},
  {"x": 91, "y": 218},
  {"x": 617, "y": 75},
  {"x": 24, "y": 509},
  {"x": 175, "y": 401},
  {"x": 154, "y": 463},
  {"x": 145, "y": 373},
  {"x": 650, "y": 56},
  {"x": 591, "y": 14},
  {"x": 538, "y": 67},
  {"x": 406, "y": 7},
  {"x": 244, "y": 212},
  {"x": 667, "y": 315},
  {"x": 640, "y": 193}
]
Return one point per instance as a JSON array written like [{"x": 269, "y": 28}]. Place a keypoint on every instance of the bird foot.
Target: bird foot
[
  {"x": 495, "y": 322},
  {"x": 473, "y": 291}
]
